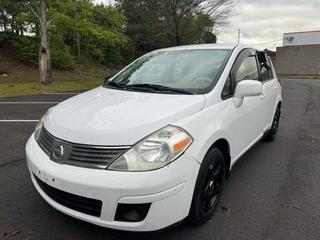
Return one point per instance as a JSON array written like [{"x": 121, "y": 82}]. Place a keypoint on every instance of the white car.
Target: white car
[{"x": 155, "y": 143}]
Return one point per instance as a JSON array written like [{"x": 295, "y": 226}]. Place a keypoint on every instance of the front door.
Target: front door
[{"x": 246, "y": 122}]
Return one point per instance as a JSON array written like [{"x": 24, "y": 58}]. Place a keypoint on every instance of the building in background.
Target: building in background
[
  {"x": 301, "y": 38},
  {"x": 299, "y": 55}
]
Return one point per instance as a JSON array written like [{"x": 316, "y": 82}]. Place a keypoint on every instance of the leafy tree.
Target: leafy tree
[
  {"x": 79, "y": 31},
  {"x": 145, "y": 28},
  {"x": 11, "y": 19},
  {"x": 209, "y": 37},
  {"x": 90, "y": 31}
]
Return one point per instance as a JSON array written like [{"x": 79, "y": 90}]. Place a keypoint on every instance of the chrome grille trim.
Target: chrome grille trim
[{"x": 81, "y": 155}]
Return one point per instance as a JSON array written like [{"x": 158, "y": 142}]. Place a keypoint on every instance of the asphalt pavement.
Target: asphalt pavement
[{"x": 273, "y": 191}]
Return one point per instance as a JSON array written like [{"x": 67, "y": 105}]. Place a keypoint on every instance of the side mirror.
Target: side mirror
[{"x": 246, "y": 88}]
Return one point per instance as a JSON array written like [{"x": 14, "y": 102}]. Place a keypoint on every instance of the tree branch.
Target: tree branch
[
  {"x": 34, "y": 11},
  {"x": 49, "y": 22}
]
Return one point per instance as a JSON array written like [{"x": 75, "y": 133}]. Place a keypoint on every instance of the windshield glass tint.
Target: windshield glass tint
[{"x": 191, "y": 70}]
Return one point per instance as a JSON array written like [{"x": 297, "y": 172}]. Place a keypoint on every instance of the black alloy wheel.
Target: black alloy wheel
[{"x": 211, "y": 187}]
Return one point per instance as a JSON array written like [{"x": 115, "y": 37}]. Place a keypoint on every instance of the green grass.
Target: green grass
[
  {"x": 23, "y": 79},
  {"x": 29, "y": 85}
]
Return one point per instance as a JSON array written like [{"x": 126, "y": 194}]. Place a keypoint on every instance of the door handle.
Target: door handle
[{"x": 262, "y": 96}]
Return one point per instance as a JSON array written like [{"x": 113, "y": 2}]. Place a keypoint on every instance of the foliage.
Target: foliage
[
  {"x": 80, "y": 32},
  {"x": 145, "y": 28},
  {"x": 162, "y": 23},
  {"x": 209, "y": 37},
  {"x": 11, "y": 17},
  {"x": 27, "y": 47}
]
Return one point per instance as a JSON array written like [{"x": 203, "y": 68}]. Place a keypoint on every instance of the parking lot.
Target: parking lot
[{"x": 273, "y": 192}]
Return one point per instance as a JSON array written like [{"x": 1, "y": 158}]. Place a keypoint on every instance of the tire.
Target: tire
[
  {"x": 208, "y": 188},
  {"x": 271, "y": 134}
]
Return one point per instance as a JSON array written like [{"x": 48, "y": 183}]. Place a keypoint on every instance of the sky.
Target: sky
[{"x": 263, "y": 22}]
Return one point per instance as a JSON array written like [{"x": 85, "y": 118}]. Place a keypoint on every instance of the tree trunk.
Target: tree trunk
[
  {"x": 178, "y": 41},
  {"x": 176, "y": 23},
  {"x": 44, "y": 50},
  {"x": 78, "y": 46}
]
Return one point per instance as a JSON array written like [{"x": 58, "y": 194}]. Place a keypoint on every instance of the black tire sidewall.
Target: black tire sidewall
[
  {"x": 270, "y": 136},
  {"x": 196, "y": 215}
]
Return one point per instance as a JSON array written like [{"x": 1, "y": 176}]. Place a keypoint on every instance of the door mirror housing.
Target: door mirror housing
[{"x": 247, "y": 88}]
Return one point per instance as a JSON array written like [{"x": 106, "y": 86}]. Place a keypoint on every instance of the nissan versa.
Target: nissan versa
[{"x": 155, "y": 143}]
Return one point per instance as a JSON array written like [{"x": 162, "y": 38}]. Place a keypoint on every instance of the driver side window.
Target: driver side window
[{"x": 247, "y": 70}]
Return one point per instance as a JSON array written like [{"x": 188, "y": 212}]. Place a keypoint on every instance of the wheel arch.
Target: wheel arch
[{"x": 223, "y": 145}]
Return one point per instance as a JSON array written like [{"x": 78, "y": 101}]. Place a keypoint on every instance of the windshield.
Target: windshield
[{"x": 183, "y": 71}]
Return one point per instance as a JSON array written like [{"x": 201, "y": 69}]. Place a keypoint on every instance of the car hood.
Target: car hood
[{"x": 113, "y": 117}]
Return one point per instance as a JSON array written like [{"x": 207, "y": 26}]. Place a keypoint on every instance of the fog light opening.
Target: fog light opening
[{"x": 132, "y": 212}]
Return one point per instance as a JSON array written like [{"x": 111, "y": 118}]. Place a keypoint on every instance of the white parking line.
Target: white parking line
[
  {"x": 17, "y": 120},
  {"x": 71, "y": 93},
  {"x": 29, "y": 102}
]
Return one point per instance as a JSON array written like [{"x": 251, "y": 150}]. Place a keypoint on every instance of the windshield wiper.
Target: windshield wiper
[
  {"x": 117, "y": 85},
  {"x": 158, "y": 88}
]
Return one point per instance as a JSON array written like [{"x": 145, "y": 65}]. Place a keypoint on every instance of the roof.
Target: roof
[
  {"x": 201, "y": 46},
  {"x": 301, "y": 32}
]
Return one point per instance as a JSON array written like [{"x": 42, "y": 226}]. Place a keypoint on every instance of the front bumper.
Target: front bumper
[{"x": 169, "y": 189}]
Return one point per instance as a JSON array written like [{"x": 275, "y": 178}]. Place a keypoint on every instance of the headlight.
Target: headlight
[
  {"x": 155, "y": 151},
  {"x": 40, "y": 124}
]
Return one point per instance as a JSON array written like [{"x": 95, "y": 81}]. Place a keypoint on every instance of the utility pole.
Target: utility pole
[{"x": 239, "y": 33}]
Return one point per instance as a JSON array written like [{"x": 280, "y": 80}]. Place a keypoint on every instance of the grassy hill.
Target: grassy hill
[{"x": 17, "y": 78}]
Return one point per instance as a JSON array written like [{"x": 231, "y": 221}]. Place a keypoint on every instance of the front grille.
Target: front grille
[
  {"x": 81, "y": 155},
  {"x": 78, "y": 203}
]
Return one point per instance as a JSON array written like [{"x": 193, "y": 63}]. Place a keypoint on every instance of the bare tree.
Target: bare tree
[
  {"x": 203, "y": 14},
  {"x": 40, "y": 10}
]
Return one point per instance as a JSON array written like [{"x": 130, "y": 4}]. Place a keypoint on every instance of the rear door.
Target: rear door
[{"x": 270, "y": 89}]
